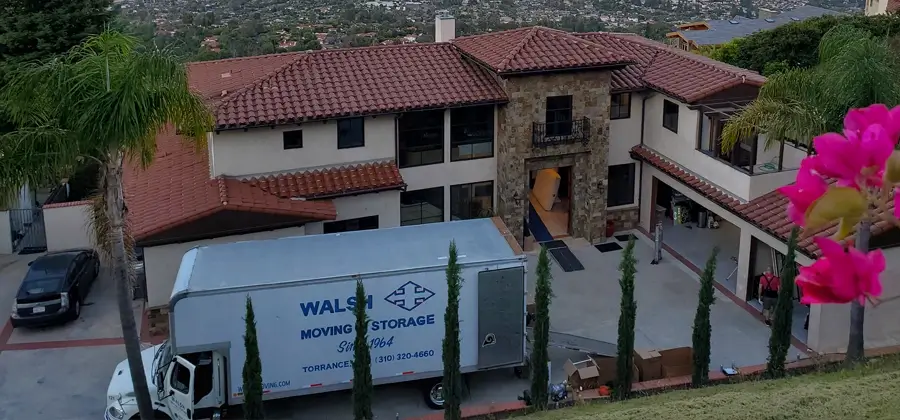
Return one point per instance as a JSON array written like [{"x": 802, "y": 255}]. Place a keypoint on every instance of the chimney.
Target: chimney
[{"x": 444, "y": 27}]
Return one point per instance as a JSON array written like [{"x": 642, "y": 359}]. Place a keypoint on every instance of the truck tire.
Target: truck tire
[{"x": 433, "y": 391}]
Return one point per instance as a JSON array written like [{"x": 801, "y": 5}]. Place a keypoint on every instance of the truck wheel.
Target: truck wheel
[{"x": 434, "y": 394}]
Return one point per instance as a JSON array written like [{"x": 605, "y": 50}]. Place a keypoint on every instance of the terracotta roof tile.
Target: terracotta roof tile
[
  {"x": 681, "y": 74},
  {"x": 702, "y": 186},
  {"x": 368, "y": 177},
  {"x": 535, "y": 49},
  {"x": 767, "y": 212},
  {"x": 892, "y": 6},
  {"x": 176, "y": 189},
  {"x": 354, "y": 81}
]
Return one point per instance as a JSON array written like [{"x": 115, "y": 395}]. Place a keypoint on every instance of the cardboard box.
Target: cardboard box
[
  {"x": 677, "y": 362},
  {"x": 583, "y": 375},
  {"x": 649, "y": 363}
]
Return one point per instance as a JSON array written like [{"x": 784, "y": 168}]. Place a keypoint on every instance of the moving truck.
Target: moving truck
[{"x": 303, "y": 293}]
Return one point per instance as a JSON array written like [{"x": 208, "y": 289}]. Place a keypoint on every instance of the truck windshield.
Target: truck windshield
[{"x": 161, "y": 359}]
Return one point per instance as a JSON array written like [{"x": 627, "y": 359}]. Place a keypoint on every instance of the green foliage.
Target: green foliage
[
  {"x": 540, "y": 355},
  {"x": 856, "y": 69},
  {"x": 726, "y": 52},
  {"x": 796, "y": 44},
  {"x": 452, "y": 382},
  {"x": 363, "y": 389},
  {"x": 702, "y": 334},
  {"x": 37, "y": 30},
  {"x": 780, "y": 340},
  {"x": 252, "y": 373},
  {"x": 627, "y": 321},
  {"x": 105, "y": 98}
]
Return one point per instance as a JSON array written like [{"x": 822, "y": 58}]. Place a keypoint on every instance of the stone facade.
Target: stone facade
[
  {"x": 625, "y": 219},
  {"x": 516, "y": 155}
]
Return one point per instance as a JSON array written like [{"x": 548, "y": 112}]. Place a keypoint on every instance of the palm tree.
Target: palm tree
[
  {"x": 855, "y": 70},
  {"x": 105, "y": 100}
]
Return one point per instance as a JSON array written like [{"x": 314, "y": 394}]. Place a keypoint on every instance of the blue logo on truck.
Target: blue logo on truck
[
  {"x": 331, "y": 306},
  {"x": 409, "y": 296}
]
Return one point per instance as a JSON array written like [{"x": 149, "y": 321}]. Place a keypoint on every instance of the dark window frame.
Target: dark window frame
[
  {"x": 559, "y": 118},
  {"x": 617, "y": 109},
  {"x": 413, "y": 126},
  {"x": 351, "y": 225},
  {"x": 420, "y": 196},
  {"x": 470, "y": 126},
  {"x": 351, "y": 133},
  {"x": 670, "y": 115},
  {"x": 290, "y": 142},
  {"x": 467, "y": 210},
  {"x": 619, "y": 184}
]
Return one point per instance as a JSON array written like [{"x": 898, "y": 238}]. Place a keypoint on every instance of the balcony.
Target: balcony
[{"x": 562, "y": 132}]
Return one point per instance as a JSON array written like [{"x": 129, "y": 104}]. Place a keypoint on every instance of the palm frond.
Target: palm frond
[{"x": 837, "y": 38}]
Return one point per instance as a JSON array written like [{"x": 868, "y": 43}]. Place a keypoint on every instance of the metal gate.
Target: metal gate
[{"x": 27, "y": 229}]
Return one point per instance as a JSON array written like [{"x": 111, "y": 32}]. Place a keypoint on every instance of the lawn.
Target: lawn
[{"x": 870, "y": 392}]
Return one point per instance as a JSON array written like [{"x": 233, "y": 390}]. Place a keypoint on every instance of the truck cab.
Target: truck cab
[{"x": 182, "y": 387}]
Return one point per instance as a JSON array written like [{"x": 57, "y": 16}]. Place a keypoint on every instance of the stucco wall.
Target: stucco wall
[
  {"x": 68, "y": 225},
  {"x": 5, "y": 233},
  {"x": 261, "y": 150},
  {"x": 385, "y": 205},
  {"x": 516, "y": 155},
  {"x": 161, "y": 263},
  {"x": 625, "y": 133}
]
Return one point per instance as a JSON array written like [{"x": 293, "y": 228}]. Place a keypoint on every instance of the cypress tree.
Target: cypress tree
[
  {"x": 702, "y": 334},
  {"x": 452, "y": 381},
  {"x": 362, "y": 359},
  {"x": 539, "y": 351},
  {"x": 627, "y": 320},
  {"x": 780, "y": 340},
  {"x": 252, "y": 373}
]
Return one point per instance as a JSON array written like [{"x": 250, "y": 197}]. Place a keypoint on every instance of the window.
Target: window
[
  {"x": 559, "y": 116},
  {"x": 181, "y": 378},
  {"x": 350, "y": 133},
  {"x": 292, "y": 139},
  {"x": 621, "y": 185},
  {"x": 670, "y": 116},
  {"x": 471, "y": 132},
  {"x": 350, "y": 225},
  {"x": 620, "y": 106},
  {"x": 420, "y": 138},
  {"x": 471, "y": 201},
  {"x": 422, "y": 206}
]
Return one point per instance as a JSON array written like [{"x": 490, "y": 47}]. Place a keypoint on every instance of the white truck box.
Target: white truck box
[{"x": 303, "y": 289}]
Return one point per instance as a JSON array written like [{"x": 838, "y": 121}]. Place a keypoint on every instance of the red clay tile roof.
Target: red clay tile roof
[
  {"x": 352, "y": 81},
  {"x": 213, "y": 78},
  {"x": 705, "y": 188},
  {"x": 767, "y": 212},
  {"x": 892, "y": 6},
  {"x": 686, "y": 76},
  {"x": 369, "y": 177},
  {"x": 177, "y": 189},
  {"x": 537, "y": 49}
]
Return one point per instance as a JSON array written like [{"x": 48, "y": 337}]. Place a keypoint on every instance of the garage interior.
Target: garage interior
[{"x": 694, "y": 231}]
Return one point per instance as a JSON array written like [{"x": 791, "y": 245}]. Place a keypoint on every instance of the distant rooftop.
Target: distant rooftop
[{"x": 722, "y": 31}]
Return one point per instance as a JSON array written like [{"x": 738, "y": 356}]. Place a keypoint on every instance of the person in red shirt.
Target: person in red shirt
[{"x": 768, "y": 293}]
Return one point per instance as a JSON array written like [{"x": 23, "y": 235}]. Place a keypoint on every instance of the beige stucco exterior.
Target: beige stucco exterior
[{"x": 68, "y": 226}]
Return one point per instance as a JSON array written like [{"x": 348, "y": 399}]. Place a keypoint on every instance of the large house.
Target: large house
[
  {"x": 880, "y": 7},
  {"x": 560, "y": 134}
]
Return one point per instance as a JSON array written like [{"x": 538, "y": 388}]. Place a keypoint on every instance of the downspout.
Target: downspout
[{"x": 641, "y": 168}]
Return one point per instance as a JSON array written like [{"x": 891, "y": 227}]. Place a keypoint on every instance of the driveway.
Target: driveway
[
  {"x": 58, "y": 372},
  {"x": 586, "y": 303}
]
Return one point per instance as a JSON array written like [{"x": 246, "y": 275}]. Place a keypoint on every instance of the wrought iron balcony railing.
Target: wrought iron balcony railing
[{"x": 562, "y": 132}]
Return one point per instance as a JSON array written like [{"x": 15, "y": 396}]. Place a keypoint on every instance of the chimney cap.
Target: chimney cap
[{"x": 444, "y": 14}]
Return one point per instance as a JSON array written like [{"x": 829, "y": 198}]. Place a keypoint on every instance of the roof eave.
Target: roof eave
[{"x": 529, "y": 72}]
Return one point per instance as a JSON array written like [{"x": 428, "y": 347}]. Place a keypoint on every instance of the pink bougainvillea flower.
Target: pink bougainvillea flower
[
  {"x": 861, "y": 118},
  {"x": 840, "y": 275},
  {"x": 855, "y": 156},
  {"x": 804, "y": 192}
]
